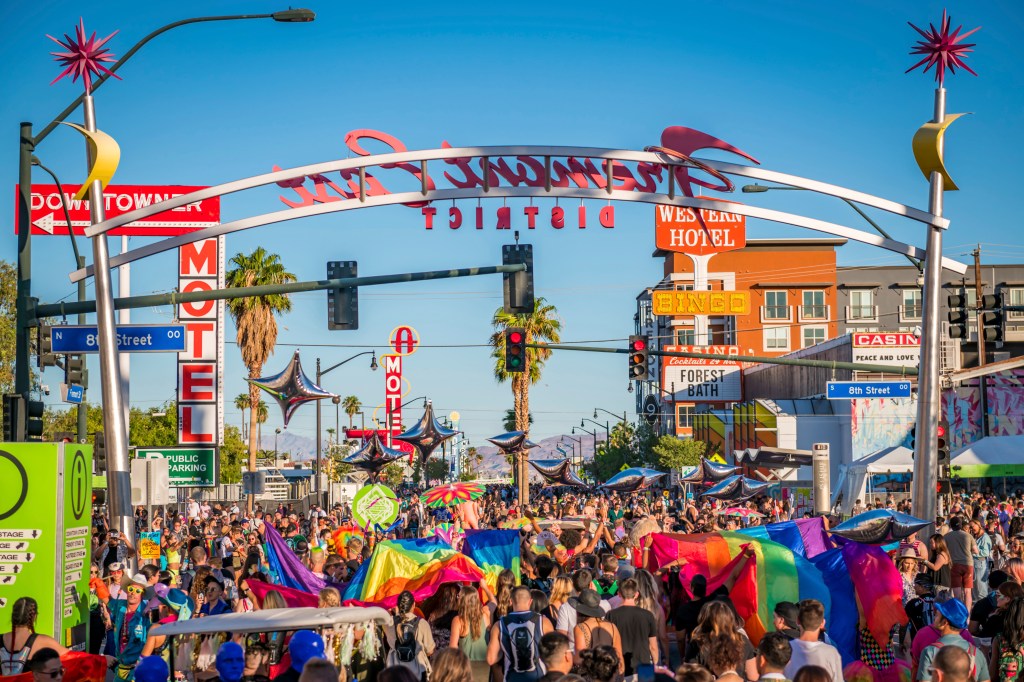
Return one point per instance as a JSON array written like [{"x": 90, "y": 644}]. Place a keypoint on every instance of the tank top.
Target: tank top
[
  {"x": 13, "y": 662},
  {"x": 942, "y": 577},
  {"x": 475, "y": 649}
]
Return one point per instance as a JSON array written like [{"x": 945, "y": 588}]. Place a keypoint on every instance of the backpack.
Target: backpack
[
  {"x": 606, "y": 586},
  {"x": 972, "y": 651},
  {"x": 1010, "y": 663},
  {"x": 522, "y": 649},
  {"x": 406, "y": 645}
]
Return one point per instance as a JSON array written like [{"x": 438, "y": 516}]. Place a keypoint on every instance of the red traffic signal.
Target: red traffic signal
[
  {"x": 638, "y": 357},
  {"x": 638, "y": 343},
  {"x": 515, "y": 349}
]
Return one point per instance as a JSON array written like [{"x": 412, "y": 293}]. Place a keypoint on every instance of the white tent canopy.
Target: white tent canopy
[
  {"x": 275, "y": 620},
  {"x": 894, "y": 460},
  {"x": 991, "y": 456}
]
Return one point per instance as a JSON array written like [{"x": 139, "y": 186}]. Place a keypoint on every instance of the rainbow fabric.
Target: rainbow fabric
[
  {"x": 806, "y": 537},
  {"x": 448, "y": 532},
  {"x": 420, "y": 566},
  {"x": 714, "y": 555},
  {"x": 343, "y": 534},
  {"x": 493, "y": 551}
]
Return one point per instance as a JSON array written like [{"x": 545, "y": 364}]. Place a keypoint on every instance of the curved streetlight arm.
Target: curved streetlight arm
[
  {"x": 760, "y": 189},
  {"x": 422, "y": 397},
  {"x": 287, "y": 16},
  {"x": 603, "y": 426},
  {"x": 373, "y": 364},
  {"x": 601, "y": 409},
  {"x": 592, "y": 433}
]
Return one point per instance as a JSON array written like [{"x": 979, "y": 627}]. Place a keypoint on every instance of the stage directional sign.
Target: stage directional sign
[
  {"x": 131, "y": 338},
  {"x": 848, "y": 390}
]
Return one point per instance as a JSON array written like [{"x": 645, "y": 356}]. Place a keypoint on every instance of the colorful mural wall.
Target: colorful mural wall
[
  {"x": 879, "y": 423},
  {"x": 962, "y": 408}
]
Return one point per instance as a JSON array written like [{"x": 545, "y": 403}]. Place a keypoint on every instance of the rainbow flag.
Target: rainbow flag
[
  {"x": 420, "y": 566},
  {"x": 493, "y": 551},
  {"x": 715, "y": 555},
  {"x": 806, "y": 537},
  {"x": 343, "y": 534}
]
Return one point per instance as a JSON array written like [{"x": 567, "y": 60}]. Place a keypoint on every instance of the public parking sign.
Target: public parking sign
[
  {"x": 186, "y": 467},
  {"x": 849, "y": 390}
]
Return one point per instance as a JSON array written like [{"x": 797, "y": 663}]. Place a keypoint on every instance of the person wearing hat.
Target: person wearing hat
[
  {"x": 175, "y": 605},
  {"x": 129, "y": 628},
  {"x": 115, "y": 550},
  {"x": 950, "y": 619},
  {"x": 592, "y": 630},
  {"x": 784, "y": 619},
  {"x": 116, "y": 575}
]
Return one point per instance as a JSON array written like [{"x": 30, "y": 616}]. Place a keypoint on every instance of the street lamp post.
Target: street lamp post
[
  {"x": 114, "y": 415},
  {"x": 592, "y": 433},
  {"x": 319, "y": 376},
  {"x": 573, "y": 446},
  {"x": 611, "y": 413},
  {"x": 277, "y": 432},
  {"x": 607, "y": 430}
]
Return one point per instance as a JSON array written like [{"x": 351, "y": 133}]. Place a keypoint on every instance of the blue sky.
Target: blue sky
[{"x": 814, "y": 89}]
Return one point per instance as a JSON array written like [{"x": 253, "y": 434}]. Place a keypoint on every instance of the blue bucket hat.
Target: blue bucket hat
[{"x": 954, "y": 611}]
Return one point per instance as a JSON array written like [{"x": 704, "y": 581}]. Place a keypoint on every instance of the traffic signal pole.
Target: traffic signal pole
[{"x": 979, "y": 294}]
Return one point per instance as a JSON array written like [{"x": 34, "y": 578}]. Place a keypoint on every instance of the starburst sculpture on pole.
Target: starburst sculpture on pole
[
  {"x": 83, "y": 57},
  {"x": 942, "y": 49}
]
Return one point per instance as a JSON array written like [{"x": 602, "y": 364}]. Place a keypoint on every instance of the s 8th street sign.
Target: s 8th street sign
[{"x": 849, "y": 390}]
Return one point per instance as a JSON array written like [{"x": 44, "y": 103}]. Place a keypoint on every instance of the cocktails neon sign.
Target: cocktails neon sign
[{"x": 520, "y": 171}]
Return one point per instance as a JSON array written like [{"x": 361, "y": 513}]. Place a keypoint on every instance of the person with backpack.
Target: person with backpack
[
  {"x": 1007, "y": 662},
  {"x": 950, "y": 618},
  {"x": 409, "y": 639},
  {"x": 515, "y": 640}
]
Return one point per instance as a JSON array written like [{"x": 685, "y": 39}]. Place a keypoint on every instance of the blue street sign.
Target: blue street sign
[
  {"x": 131, "y": 338},
  {"x": 848, "y": 390},
  {"x": 74, "y": 395}
]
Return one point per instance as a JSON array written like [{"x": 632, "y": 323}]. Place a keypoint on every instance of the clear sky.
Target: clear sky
[{"x": 811, "y": 88}]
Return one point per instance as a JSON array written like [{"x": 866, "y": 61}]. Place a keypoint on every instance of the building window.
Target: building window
[
  {"x": 776, "y": 338},
  {"x": 684, "y": 416},
  {"x": 813, "y": 335},
  {"x": 862, "y": 305},
  {"x": 776, "y": 305},
  {"x": 686, "y": 337},
  {"x": 861, "y": 330},
  {"x": 911, "y": 309},
  {"x": 1014, "y": 297},
  {"x": 814, "y": 305}
]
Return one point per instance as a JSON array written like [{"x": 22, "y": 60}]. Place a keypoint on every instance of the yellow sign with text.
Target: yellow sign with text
[{"x": 700, "y": 302}]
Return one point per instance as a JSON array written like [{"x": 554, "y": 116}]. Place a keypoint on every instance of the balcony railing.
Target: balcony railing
[
  {"x": 776, "y": 312},
  {"x": 911, "y": 312},
  {"x": 861, "y": 312},
  {"x": 814, "y": 312}
]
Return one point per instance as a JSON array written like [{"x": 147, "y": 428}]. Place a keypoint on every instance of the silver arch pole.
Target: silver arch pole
[{"x": 929, "y": 396}]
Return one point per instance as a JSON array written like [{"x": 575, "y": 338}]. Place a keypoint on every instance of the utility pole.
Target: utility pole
[{"x": 979, "y": 289}]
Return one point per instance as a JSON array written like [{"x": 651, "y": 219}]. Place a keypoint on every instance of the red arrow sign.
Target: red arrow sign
[{"x": 47, "y": 214}]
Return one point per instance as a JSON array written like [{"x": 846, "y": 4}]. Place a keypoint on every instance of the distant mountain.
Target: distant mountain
[
  {"x": 494, "y": 463},
  {"x": 299, "y": 448}
]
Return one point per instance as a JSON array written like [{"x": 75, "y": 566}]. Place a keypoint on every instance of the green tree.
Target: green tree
[
  {"x": 256, "y": 322},
  {"x": 676, "y": 453},
  {"x": 541, "y": 325},
  {"x": 242, "y": 401},
  {"x": 233, "y": 454},
  {"x": 437, "y": 470},
  {"x": 351, "y": 405},
  {"x": 393, "y": 475},
  {"x": 8, "y": 321},
  {"x": 629, "y": 445},
  {"x": 510, "y": 420}
]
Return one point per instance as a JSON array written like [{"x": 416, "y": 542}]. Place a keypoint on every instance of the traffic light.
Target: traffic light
[
  {"x": 942, "y": 438},
  {"x": 990, "y": 317},
  {"x": 913, "y": 440},
  {"x": 44, "y": 347},
  {"x": 99, "y": 452},
  {"x": 343, "y": 303},
  {"x": 14, "y": 426},
  {"x": 638, "y": 357},
  {"x": 518, "y": 286},
  {"x": 74, "y": 370},
  {"x": 515, "y": 349},
  {"x": 957, "y": 316},
  {"x": 34, "y": 420}
]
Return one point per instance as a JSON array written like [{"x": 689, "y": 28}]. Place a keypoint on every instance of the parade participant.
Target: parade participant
[
  {"x": 469, "y": 630},
  {"x": 152, "y": 669},
  {"x": 637, "y": 628},
  {"x": 773, "y": 654},
  {"x": 116, "y": 550},
  {"x": 99, "y": 617},
  {"x": 409, "y": 638},
  {"x": 515, "y": 640},
  {"x": 230, "y": 662},
  {"x": 557, "y": 656},
  {"x": 962, "y": 550},
  {"x": 561, "y": 590},
  {"x": 46, "y": 666},
  {"x": 814, "y": 673},
  {"x": 982, "y": 560},
  {"x": 950, "y": 620},
  {"x": 213, "y": 602},
  {"x": 719, "y": 626},
  {"x": 319, "y": 670},
  {"x": 938, "y": 562},
  {"x": 691, "y": 672},
  {"x": 450, "y": 665},
  {"x": 649, "y": 597},
  {"x": 1006, "y": 594},
  {"x": 983, "y": 608},
  {"x": 1007, "y": 661},
  {"x": 592, "y": 629},
  {"x": 304, "y": 646},
  {"x": 784, "y": 619},
  {"x": 116, "y": 577},
  {"x": 22, "y": 642},
  {"x": 174, "y": 605},
  {"x": 601, "y": 664},
  {"x": 129, "y": 629},
  {"x": 952, "y": 664},
  {"x": 808, "y": 650}
]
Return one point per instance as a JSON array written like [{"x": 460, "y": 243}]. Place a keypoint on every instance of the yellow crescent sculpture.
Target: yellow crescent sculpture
[
  {"x": 105, "y": 153},
  {"x": 928, "y": 150}
]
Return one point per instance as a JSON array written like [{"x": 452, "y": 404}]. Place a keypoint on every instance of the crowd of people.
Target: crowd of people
[{"x": 588, "y": 604}]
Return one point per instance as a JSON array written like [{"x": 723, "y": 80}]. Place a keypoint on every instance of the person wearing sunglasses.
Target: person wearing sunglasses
[
  {"x": 213, "y": 603},
  {"x": 46, "y": 666},
  {"x": 129, "y": 628}
]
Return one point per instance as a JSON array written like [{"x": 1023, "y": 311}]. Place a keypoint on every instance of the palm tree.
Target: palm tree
[
  {"x": 542, "y": 325},
  {"x": 510, "y": 420},
  {"x": 242, "y": 404},
  {"x": 351, "y": 405},
  {"x": 255, "y": 322}
]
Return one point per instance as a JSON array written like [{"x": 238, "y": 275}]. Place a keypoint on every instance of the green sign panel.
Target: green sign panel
[
  {"x": 186, "y": 467},
  {"x": 375, "y": 505},
  {"x": 45, "y": 555}
]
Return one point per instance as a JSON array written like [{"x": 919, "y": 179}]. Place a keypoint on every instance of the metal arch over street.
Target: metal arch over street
[{"x": 542, "y": 186}]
